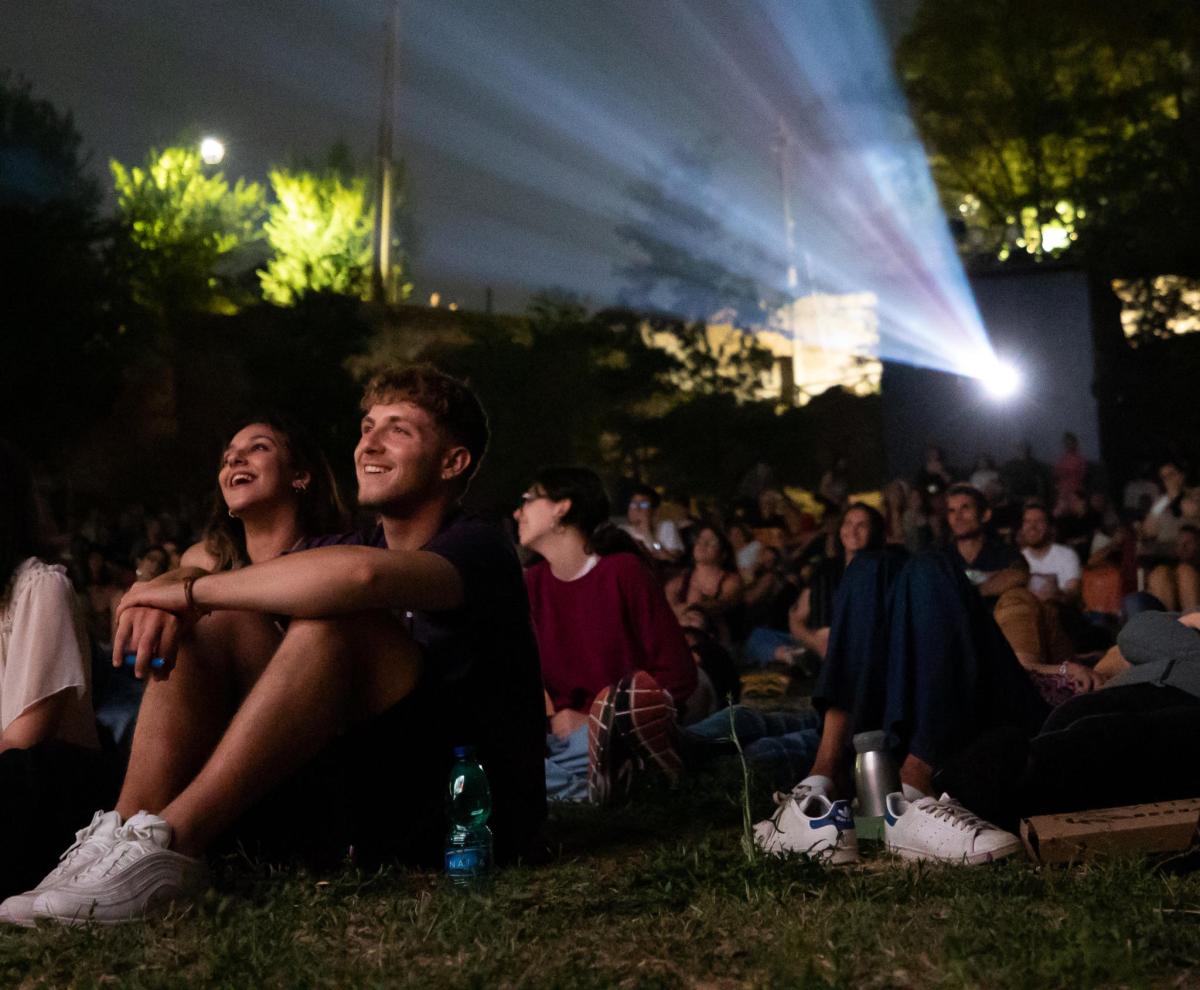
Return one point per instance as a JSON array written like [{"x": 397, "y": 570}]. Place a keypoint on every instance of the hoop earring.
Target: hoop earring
[{"x": 232, "y": 514}]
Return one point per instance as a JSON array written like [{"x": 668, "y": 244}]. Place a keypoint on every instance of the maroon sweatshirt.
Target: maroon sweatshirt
[{"x": 594, "y": 630}]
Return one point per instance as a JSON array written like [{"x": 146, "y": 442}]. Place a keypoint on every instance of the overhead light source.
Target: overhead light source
[{"x": 212, "y": 150}]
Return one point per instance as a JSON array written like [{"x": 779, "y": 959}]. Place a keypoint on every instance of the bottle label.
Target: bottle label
[{"x": 468, "y": 861}]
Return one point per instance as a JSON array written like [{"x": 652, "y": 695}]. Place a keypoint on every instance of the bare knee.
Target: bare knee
[
  {"x": 1017, "y": 602},
  {"x": 1018, "y": 596},
  {"x": 238, "y": 644},
  {"x": 1161, "y": 584},
  {"x": 1187, "y": 580},
  {"x": 381, "y": 660}
]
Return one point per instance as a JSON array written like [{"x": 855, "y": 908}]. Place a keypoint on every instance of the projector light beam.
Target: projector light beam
[{"x": 579, "y": 121}]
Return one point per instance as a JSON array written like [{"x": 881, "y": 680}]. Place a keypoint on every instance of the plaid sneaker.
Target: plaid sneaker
[
  {"x": 645, "y": 718},
  {"x": 610, "y": 769}
]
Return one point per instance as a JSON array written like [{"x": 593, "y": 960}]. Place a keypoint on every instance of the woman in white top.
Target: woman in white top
[
  {"x": 52, "y": 771},
  {"x": 44, "y": 682}
]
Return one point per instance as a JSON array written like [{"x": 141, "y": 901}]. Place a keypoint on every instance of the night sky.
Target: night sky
[{"x": 522, "y": 122}]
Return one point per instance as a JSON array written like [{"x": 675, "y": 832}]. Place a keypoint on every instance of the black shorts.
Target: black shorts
[{"x": 373, "y": 795}]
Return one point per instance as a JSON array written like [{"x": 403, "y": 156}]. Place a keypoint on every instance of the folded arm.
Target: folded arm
[
  {"x": 999, "y": 582},
  {"x": 317, "y": 583}
]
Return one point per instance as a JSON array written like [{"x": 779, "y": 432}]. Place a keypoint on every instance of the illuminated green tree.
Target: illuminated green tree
[
  {"x": 319, "y": 228},
  {"x": 183, "y": 231},
  {"x": 1053, "y": 124}
]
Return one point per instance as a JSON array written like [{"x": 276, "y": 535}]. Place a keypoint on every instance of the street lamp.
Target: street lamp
[{"x": 212, "y": 150}]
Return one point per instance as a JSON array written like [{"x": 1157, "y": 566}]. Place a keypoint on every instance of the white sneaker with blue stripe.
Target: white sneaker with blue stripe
[
  {"x": 922, "y": 828},
  {"x": 807, "y": 822}
]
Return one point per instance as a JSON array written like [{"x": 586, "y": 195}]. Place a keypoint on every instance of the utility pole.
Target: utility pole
[
  {"x": 783, "y": 145},
  {"x": 381, "y": 273}
]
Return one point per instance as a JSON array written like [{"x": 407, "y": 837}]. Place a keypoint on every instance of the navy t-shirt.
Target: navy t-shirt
[
  {"x": 996, "y": 555},
  {"x": 481, "y": 684}
]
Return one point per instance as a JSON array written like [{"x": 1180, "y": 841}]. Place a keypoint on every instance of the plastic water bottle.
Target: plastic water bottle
[{"x": 469, "y": 804}]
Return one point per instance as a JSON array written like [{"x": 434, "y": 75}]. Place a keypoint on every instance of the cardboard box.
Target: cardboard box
[{"x": 1167, "y": 826}]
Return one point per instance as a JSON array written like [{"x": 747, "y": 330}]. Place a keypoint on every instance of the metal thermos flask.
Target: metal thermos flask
[{"x": 875, "y": 772}]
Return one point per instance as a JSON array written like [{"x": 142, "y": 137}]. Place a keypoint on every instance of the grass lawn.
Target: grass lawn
[{"x": 657, "y": 894}]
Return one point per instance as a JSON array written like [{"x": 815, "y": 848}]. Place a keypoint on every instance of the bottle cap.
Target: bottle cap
[{"x": 462, "y": 752}]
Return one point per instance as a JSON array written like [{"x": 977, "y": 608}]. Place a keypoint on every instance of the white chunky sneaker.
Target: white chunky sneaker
[
  {"x": 807, "y": 822},
  {"x": 138, "y": 875},
  {"x": 90, "y": 844},
  {"x": 942, "y": 829}
]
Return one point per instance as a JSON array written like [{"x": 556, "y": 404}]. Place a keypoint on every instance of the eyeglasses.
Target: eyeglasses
[
  {"x": 639, "y": 503},
  {"x": 528, "y": 497}
]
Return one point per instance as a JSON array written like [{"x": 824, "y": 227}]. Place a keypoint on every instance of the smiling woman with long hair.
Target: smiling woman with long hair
[
  {"x": 274, "y": 488},
  {"x": 711, "y": 585}
]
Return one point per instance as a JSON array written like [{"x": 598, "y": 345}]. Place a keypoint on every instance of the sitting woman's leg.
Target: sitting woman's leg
[
  {"x": 567, "y": 766},
  {"x": 183, "y": 717},
  {"x": 1187, "y": 582},
  {"x": 1161, "y": 584},
  {"x": 634, "y": 719}
]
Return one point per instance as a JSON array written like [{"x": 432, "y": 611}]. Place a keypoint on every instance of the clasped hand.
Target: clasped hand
[{"x": 151, "y": 619}]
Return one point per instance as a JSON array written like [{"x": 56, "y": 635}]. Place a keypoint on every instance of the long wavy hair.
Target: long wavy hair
[
  {"x": 876, "y": 531},
  {"x": 727, "y": 557},
  {"x": 321, "y": 507},
  {"x": 21, "y": 529}
]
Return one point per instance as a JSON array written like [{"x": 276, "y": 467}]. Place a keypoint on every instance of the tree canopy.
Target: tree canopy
[
  {"x": 319, "y": 229},
  {"x": 182, "y": 230},
  {"x": 41, "y": 158},
  {"x": 61, "y": 344},
  {"x": 1072, "y": 125}
]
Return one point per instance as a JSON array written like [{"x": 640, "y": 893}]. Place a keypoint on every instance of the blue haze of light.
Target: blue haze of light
[
  {"x": 529, "y": 127},
  {"x": 567, "y": 107}
]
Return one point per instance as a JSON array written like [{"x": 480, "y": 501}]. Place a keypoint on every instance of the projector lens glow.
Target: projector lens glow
[{"x": 1001, "y": 380}]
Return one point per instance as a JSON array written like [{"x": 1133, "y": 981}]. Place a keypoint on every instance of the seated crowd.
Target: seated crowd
[{"x": 298, "y": 686}]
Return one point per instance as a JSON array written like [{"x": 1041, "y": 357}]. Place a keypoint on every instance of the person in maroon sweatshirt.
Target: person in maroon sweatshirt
[{"x": 617, "y": 669}]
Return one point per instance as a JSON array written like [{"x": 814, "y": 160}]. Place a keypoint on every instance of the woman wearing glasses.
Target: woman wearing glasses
[{"x": 613, "y": 656}]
